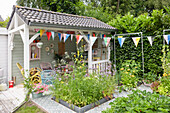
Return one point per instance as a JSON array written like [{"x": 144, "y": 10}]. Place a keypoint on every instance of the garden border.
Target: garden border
[{"x": 85, "y": 108}]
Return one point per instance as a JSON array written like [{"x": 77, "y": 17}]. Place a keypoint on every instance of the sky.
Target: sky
[{"x": 6, "y": 8}]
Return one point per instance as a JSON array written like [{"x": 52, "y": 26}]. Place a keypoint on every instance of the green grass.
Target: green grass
[{"x": 29, "y": 107}]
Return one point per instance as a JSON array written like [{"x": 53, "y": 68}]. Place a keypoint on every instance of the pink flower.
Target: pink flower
[{"x": 37, "y": 92}]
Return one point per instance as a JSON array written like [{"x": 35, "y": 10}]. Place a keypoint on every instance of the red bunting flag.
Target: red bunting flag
[{"x": 48, "y": 35}]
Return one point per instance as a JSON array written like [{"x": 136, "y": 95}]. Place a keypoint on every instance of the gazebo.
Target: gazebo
[{"x": 22, "y": 33}]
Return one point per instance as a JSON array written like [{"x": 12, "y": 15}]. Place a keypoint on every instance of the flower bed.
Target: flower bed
[{"x": 79, "y": 88}]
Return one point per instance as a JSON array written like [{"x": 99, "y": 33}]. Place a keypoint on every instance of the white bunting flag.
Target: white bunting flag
[
  {"x": 107, "y": 41},
  {"x": 136, "y": 40},
  {"x": 52, "y": 34},
  {"x": 167, "y": 38},
  {"x": 71, "y": 37},
  {"x": 66, "y": 36},
  {"x": 150, "y": 39},
  {"x": 93, "y": 39}
]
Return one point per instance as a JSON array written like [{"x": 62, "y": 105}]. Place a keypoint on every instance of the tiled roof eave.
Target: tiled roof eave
[{"x": 69, "y": 27}]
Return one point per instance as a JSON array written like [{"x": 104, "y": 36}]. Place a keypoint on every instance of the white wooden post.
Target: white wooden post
[
  {"x": 108, "y": 49},
  {"x": 26, "y": 51},
  {"x": 90, "y": 55},
  {"x": 10, "y": 47}
]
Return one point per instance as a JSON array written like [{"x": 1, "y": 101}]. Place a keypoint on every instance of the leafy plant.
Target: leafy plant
[
  {"x": 140, "y": 101},
  {"x": 150, "y": 77},
  {"x": 129, "y": 74},
  {"x": 164, "y": 87}
]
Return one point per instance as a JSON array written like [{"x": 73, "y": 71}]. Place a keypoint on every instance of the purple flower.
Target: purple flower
[
  {"x": 85, "y": 75},
  {"x": 59, "y": 79}
]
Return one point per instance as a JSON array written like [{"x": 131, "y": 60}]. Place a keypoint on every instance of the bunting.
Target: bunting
[
  {"x": 150, "y": 40},
  {"x": 71, "y": 37},
  {"x": 52, "y": 33},
  {"x": 107, "y": 41},
  {"x": 94, "y": 34},
  {"x": 41, "y": 32},
  {"x": 88, "y": 36},
  {"x": 66, "y": 36},
  {"x": 48, "y": 35},
  {"x": 136, "y": 40},
  {"x": 103, "y": 36},
  {"x": 36, "y": 30},
  {"x": 93, "y": 39},
  {"x": 78, "y": 37},
  {"x": 167, "y": 38},
  {"x": 60, "y": 36},
  {"x": 121, "y": 40}
]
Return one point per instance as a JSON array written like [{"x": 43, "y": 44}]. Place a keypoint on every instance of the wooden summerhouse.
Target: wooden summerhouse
[{"x": 22, "y": 34}]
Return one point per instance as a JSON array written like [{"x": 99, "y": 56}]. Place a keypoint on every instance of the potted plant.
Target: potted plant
[{"x": 38, "y": 90}]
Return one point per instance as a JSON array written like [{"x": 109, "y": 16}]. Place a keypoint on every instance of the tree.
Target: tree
[
  {"x": 64, "y": 6},
  {"x": 4, "y": 23}
]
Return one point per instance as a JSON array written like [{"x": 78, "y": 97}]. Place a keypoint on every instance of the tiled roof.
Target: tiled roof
[{"x": 37, "y": 17}]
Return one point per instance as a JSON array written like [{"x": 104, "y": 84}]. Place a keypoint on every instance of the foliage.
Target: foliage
[
  {"x": 166, "y": 60},
  {"x": 129, "y": 74},
  {"x": 29, "y": 107},
  {"x": 149, "y": 25},
  {"x": 80, "y": 88},
  {"x": 39, "y": 88},
  {"x": 140, "y": 101},
  {"x": 28, "y": 85},
  {"x": 64, "y": 6},
  {"x": 164, "y": 87},
  {"x": 150, "y": 77},
  {"x": 4, "y": 23}
]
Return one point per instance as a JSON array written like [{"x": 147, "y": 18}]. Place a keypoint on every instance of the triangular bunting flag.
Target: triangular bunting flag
[
  {"x": 167, "y": 38},
  {"x": 107, "y": 41},
  {"x": 93, "y": 34},
  {"x": 93, "y": 39},
  {"x": 60, "y": 36},
  {"x": 41, "y": 32},
  {"x": 48, "y": 35},
  {"x": 136, "y": 40},
  {"x": 71, "y": 37},
  {"x": 66, "y": 36},
  {"x": 78, "y": 37},
  {"x": 36, "y": 30},
  {"x": 52, "y": 33},
  {"x": 150, "y": 40},
  {"x": 121, "y": 41},
  {"x": 88, "y": 36}
]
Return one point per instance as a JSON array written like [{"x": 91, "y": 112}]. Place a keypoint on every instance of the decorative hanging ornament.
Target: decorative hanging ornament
[
  {"x": 48, "y": 35},
  {"x": 107, "y": 41},
  {"x": 36, "y": 30},
  {"x": 150, "y": 40},
  {"x": 136, "y": 40},
  {"x": 66, "y": 36},
  {"x": 121, "y": 40},
  {"x": 167, "y": 38},
  {"x": 41, "y": 32},
  {"x": 93, "y": 39},
  {"x": 71, "y": 37},
  {"x": 52, "y": 33},
  {"x": 60, "y": 36},
  {"x": 39, "y": 44},
  {"x": 78, "y": 37}
]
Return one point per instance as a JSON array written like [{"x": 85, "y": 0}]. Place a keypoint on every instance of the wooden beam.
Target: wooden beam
[
  {"x": 33, "y": 38},
  {"x": 26, "y": 51},
  {"x": 85, "y": 37},
  {"x": 16, "y": 29},
  {"x": 16, "y": 20},
  {"x": 108, "y": 49},
  {"x": 22, "y": 35}
]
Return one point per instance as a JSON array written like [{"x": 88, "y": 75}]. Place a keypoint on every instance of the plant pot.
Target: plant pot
[
  {"x": 34, "y": 95},
  {"x": 84, "y": 108}
]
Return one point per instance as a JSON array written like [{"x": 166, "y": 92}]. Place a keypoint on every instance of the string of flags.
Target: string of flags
[
  {"x": 64, "y": 37},
  {"x": 137, "y": 39}
]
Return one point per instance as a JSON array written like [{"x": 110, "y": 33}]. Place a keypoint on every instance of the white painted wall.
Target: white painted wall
[{"x": 4, "y": 51}]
